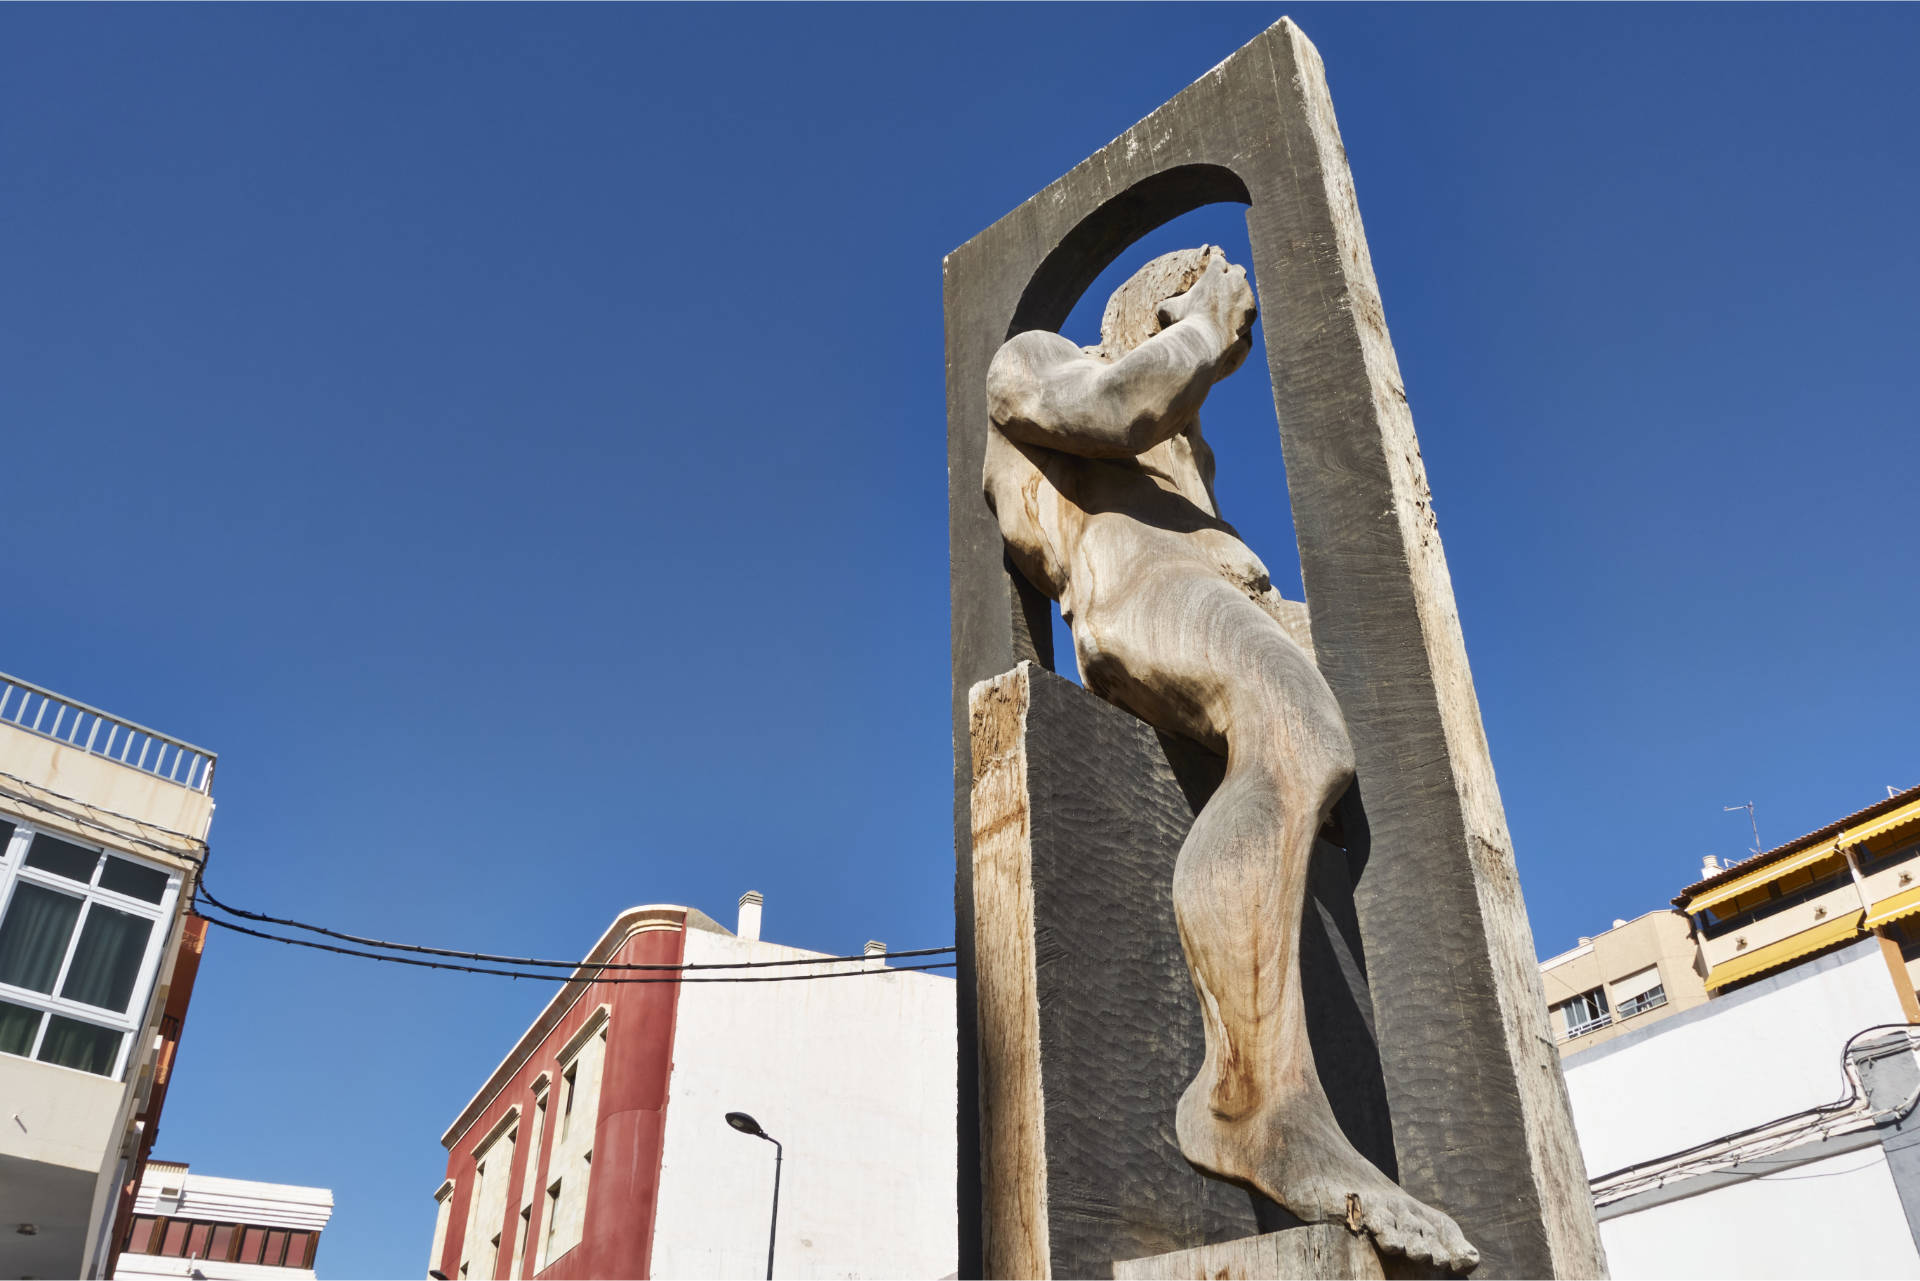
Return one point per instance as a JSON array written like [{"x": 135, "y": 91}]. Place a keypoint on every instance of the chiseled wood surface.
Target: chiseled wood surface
[
  {"x": 1014, "y": 1238},
  {"x": 1480, "y": 1119},
  {"x": 1319, "y": 1252},
  {"x": 1089, "y": 1026}
]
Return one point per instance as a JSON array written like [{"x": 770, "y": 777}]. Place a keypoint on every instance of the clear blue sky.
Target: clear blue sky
[{"x": 513, "y": 438}]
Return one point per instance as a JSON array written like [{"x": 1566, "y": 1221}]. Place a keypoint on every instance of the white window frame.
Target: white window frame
[{"x": 14, "y": 872}]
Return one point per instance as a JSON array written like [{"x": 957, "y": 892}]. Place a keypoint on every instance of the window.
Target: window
[
  {"x": 301, "y": 1247},
  {"x": 442, "y": 1215},
  {"x": 1639, "y": 992},
  {"x": 486, "y": 1216},
  {"x": 81, "y": 931},
  {"x": 547, "y": 1252},
  {"x": 530, "y": 1179},
  {"x": 1585, "y": 1013},
  {"x": 571, "y": 1166},
  {"x": 520, "y": 1235}
]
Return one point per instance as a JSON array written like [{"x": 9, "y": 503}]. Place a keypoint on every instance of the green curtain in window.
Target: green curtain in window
[
  {"x": 74, "y": 1044},
  {"x": 17, "y": 1026},
  {"x": 107, "y": 963},
  {"x": 33, "y": 937}
]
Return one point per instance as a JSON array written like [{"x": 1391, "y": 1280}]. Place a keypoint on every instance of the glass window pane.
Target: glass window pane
[
  {"x": 276, "y": 1246},
  {"x": 107, "y": 963},
  {"x": 175, "y": 1243},
  {"x": 62, "y": 858},
  {"x": 17, "y": 1026},
  {"x": 71, "y": 1043},
  {"x": 197, "y": 1240},
  {"x": 140, "y": 1236},
  {"x": 250, "y": 1243},
  {"x": 222, "y": 1242},
  {"x": 6, "y": 835},
  {"x": 123, "y": 876},
  {"x": 34, "y": 936},
  {"x": 299, "y": 1244}
]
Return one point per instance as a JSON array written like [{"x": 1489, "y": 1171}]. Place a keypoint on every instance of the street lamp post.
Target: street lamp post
[{"x": 747, "y": 1125}]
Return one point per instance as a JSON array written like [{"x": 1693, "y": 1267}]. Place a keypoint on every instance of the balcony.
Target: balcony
[{"x": 27, "y": 706}]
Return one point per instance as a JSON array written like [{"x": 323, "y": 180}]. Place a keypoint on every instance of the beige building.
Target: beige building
[
  {"x": 102, "y": 825},
  {"x": 1858, "y": 877},
  {"x": 1633, "y": 975}
]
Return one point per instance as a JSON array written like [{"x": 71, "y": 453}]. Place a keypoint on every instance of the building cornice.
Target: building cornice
[{"x": 635, "y": 920}]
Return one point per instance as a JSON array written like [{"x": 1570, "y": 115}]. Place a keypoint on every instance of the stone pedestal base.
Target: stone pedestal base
[{"x": 1319, "y": 1251}]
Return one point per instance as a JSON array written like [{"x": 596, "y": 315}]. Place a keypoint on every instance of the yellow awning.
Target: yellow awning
[
  {"x": 1760, "y": 876},
  {"x": 1905, "y": 903},
  {"x": 1787, "y": 949},
  {"x": 1881, "y": 826}
]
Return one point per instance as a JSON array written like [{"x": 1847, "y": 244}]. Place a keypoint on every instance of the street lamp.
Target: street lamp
[{"x": 747, "y": 1125}]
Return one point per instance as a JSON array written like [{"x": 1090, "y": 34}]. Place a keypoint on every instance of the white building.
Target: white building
[
  {"x": 1767, "y": 1133},
  {"x": 103, "y": 824},
  {"x": 599, "y": 1147},
  {"x": 197, "y": 1226}
]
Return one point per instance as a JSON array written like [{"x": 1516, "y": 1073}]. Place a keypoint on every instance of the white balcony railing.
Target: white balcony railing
[
  {"x": 1591, "y": 1025},
  {"x": 88, "y": 729}
]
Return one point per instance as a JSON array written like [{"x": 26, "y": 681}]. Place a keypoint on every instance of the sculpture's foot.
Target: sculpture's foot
[{"x": 1292, "y": 1151}]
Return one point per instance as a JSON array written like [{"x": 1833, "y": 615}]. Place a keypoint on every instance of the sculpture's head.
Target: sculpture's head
[{"x": 1132, "y": 314}]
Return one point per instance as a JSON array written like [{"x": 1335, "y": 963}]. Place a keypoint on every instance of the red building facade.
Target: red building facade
[{"x": 530, "y": 1190}]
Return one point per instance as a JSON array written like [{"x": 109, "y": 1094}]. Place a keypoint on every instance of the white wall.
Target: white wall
[
  {"x": 1839, "y": 1217},
  {"x": 1735, "y": 1062},
  {"x": 856, "y": 1077}
]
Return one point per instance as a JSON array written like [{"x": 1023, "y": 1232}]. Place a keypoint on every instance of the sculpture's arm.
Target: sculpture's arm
[{"x": 1043, "y": 390}]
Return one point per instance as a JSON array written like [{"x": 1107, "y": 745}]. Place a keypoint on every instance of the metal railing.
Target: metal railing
[
  {"x": 1652, "y": 999},
  {"x": 41, "y": 711},
  {"x": 1591, "y": 1025}
]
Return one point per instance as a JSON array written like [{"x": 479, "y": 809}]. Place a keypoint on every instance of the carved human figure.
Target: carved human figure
[{"x": 1103, "y": 488}]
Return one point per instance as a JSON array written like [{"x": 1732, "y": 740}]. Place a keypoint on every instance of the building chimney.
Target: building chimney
[
  {"x": 749, "y": 926},
  {"x": 876, "y": 950},
  {"x": 1709, "y": 865}
]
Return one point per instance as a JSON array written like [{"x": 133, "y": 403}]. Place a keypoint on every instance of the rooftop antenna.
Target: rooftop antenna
[
  {"x": 1748, "y": 807},
  {"x": 1892, "y": 792}
]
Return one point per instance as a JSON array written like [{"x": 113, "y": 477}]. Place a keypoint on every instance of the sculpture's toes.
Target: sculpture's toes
[{"x": 1402, "y": 1225}]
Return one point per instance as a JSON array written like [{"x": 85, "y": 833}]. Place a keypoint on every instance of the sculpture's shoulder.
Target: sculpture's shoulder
[{"x": 1019, "y": 368}]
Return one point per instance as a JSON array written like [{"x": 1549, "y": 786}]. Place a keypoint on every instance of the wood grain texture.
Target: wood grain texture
[
  {"x": 1323, "y": 1250},
  {"x": 1485, "y": 1135},
  {"x": 1089, "y": 1029},
  {"x": 1015, "y": 1239}
]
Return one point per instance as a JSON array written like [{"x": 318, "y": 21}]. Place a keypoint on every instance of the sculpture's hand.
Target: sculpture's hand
[{"x": 1223, "y": 300}]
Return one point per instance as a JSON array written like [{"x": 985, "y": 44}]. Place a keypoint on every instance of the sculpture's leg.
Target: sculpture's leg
[{"x": 1193, "y": 650}]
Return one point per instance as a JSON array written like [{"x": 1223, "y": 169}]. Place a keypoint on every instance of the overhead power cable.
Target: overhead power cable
[
  {"x": 86, "y": 820},
  {"x": 593, "y": 970},
  {"x": 498, "y": 959}
]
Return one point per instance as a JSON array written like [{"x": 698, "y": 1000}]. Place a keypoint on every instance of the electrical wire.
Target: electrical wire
[
  {"x": 573, "y": 968},
  {"x": 498, "y": 959},
  {"x": 586, "y": 965},
  {"x": 198, "y": 860},
  {"x": 1823, "y": 1121}
]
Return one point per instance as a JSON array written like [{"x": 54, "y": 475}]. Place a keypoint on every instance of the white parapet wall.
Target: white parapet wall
[
  {"x": 855, "y": 1077},
  {"x": 1814, "y": 1203},
  {"x": 1769, "y": 1050},
  {"x": 1837, "y": 1217}
]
